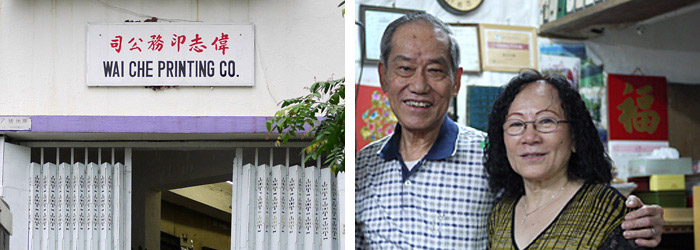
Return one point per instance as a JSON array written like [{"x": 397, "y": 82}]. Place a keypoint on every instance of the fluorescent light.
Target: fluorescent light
[{"x": 229, "y": 182}]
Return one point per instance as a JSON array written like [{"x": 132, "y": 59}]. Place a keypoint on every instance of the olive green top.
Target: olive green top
[{"x": 590, "y": 220}]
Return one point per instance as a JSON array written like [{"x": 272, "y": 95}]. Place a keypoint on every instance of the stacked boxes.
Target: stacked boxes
[
  {"x": 671, "y": 182},
  {"x": 661, "y": 181},
  {"x": 648, "y": 167}
]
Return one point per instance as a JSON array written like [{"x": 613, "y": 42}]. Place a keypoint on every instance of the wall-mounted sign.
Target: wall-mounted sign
[
  {"x": 507, "y": 48},
  {"x": 165, "y": 54},
  {"x": 15, "y": 123},
  {"x": 637, "y": 107},
  {"x": 375, "y": 20},
  {"x": 467, "y": 36}
]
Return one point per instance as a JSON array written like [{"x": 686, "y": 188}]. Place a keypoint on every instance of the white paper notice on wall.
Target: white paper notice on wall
[
  {"x": 15, "y": 123},
  {"x": 167, "y": 54}
]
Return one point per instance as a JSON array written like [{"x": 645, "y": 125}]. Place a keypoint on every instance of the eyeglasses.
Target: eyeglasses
[{"x": 542, "y": 124}]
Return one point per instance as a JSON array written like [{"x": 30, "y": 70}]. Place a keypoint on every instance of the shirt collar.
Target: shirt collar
[{"x": 444, "y": 145}]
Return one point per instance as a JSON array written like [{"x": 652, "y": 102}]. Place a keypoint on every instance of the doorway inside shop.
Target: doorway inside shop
[
  {"x": 183, "y": 198},
  {"x": 197, "y": 217}
]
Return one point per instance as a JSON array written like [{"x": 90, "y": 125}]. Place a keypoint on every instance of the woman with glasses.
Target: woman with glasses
[{"x": 545, "y": 155}]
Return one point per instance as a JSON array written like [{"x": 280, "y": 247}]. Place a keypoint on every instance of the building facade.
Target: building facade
[{"x": 164, "y": 135}]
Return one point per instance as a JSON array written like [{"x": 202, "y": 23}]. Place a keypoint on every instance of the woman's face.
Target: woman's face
[{"x": 538, "y": 156}]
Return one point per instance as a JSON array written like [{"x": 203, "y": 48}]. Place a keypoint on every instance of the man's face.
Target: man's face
[{"x": 418, "y": 78}]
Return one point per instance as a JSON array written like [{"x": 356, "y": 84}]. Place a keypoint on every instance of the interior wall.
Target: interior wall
[
  {"x": 505, "y": 12},
  {"x": 684, "y": 119},
  {"x": 202, "y": 229},
  {"x": 665, "y": 45}
]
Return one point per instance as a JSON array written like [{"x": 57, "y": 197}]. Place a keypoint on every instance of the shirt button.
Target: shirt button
[{"x": 407, "y": 183}]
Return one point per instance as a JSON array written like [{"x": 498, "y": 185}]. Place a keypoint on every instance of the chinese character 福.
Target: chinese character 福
[{"x": 644, "y": 120}]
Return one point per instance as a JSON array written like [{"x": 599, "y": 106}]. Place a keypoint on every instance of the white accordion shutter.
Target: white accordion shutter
[
  {"x": 329, "y": 216},
  {"x": 284, "y": 207},
  {"x": 93, "y": 203},
  {"x": 310, "y": 209},
  {"x": 278, "y": 239},
  {"x": 246, "y": 209},
  {"x": 78, "y": 206},
  {"x": 262, "y": 235},
  {"x": 294, "y": 221},
  {"x": 35, "y": 200},
  {"x": 341, "y": 210},
  {"x": 64, "y": 204}
]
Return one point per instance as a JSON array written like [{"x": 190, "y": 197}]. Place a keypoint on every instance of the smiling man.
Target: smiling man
[{"x": 424, "y": 186}]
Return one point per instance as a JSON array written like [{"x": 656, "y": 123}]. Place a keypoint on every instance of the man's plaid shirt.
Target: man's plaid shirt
[{"x": 442, "y": 203}]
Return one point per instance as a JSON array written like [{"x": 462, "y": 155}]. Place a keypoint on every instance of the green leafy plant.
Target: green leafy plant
[{"x": 298, "y": 118}]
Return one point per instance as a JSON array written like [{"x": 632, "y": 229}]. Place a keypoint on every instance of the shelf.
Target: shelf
[
  {"x": 611, "y": 14},
  {"x": 678, "y": 220}
]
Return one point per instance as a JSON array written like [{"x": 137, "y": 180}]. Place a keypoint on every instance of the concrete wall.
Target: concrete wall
[{"x": 43, "y": 51}]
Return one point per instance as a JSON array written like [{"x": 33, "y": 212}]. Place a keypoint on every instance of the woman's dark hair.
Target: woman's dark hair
[{"x": 590, "y": 162}]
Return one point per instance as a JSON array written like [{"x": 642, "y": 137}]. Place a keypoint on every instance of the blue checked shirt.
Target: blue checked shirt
[{"x": 442, "y": 203}]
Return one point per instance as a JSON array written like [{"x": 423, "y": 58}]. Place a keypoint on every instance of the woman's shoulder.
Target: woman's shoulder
[
  {"x": 602, "y": 201},
  {"x": 602, "y": 191}
]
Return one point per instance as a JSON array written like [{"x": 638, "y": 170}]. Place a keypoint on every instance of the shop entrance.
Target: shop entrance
[
  {"x": 190, "y": 195},
  {"x": 177, "y": 194}
]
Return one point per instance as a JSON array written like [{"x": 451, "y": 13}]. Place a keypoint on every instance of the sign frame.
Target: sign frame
[
  {"x": 642, "y": 103},
  {"x": 374, "y": 27},
  {"x": 227, "y": 61},
  {"x": 506, "y": 35},
  {"x": 464, "y": 42}
]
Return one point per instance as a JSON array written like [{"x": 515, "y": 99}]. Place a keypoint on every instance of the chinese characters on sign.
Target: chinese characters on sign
[
  {"x": 15, "y": 123},
  {"x": 637, "y": 108},
  {"x": 170, "y": 54}
]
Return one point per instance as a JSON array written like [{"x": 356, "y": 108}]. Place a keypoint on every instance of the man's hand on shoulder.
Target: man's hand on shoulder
[{"x": 644, "y": 224}]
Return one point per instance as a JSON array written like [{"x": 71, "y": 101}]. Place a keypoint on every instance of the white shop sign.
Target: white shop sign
[
  {"x": 166, "y": 54},
  {"x": 15, "y": 123}
]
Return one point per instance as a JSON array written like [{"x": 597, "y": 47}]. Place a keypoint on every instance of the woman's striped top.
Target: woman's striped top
[{"x": 590, "y": 220}]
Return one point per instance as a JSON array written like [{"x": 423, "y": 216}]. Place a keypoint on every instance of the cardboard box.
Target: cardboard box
[
  {"x": 667, "y": 182},
  {"x": 648, "y": 167},
  {"x": 642, "y": 183}
]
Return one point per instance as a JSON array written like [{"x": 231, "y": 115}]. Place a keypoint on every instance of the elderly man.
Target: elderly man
[{"x": 425, "y": 187}]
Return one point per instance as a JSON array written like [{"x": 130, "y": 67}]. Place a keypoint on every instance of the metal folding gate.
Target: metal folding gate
[
  {"x": 284, "y": 207},
  {"x": 80, "y": 205},
  {"x": 87, "y": 205}
]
